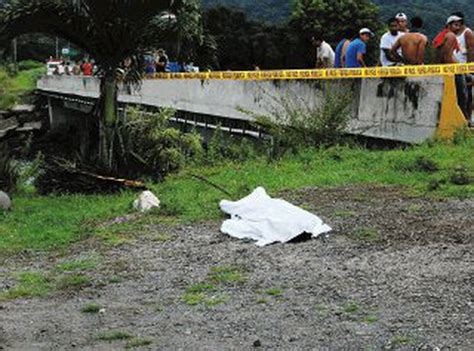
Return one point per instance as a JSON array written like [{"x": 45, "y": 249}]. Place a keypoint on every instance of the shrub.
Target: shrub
[
  {"x": 294, "y": 124},
  {"x": 9, "y": 172},
  {"x": 29, "y": 65},
  {"x": 148, "y": 145}
]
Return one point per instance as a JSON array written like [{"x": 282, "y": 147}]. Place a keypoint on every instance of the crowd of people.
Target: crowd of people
[
  {"x": 402, "y": 45},
  {"x": 63, "y": 67}
]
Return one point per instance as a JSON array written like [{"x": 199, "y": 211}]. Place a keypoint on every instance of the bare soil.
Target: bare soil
[{"x": 396, "y": 273}]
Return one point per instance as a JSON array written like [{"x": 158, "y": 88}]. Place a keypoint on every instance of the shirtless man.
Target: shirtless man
[
  {"x": 412, "y": 44},
  {"x": 402, "y": 20},
  {"x": 448, "y": 50}
]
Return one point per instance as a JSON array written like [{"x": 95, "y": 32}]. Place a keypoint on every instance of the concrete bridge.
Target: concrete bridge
[{"x": 409, "y": 110}]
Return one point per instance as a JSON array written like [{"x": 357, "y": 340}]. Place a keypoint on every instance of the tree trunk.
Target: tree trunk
[{"x": 108, "y": 120}]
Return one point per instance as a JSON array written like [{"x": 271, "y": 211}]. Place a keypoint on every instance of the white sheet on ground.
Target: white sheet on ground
[{"x": 266, "y": 220}]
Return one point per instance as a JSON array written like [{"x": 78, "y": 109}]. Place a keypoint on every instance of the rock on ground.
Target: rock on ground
[{"x": 5, "y": 202}]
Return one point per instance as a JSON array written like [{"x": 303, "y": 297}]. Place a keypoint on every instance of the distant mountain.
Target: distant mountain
[
  {"x": 434, "y": 12},
  {"x": 269, "y": 10}
]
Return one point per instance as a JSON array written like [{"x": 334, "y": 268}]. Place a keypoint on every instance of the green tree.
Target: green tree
[
  {"x": 109, "y": 30},
  {"x": 332, "y": 19}
]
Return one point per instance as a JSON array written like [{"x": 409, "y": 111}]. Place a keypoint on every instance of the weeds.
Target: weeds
[
  {"x": 351, "y": 308},
  {"x": 137, "y": 342},
  {"x": 227, "y": 275},
  {"x": 91, "y": 308},
  {"x": 274, "y": 292},
  {"x": 74, "y": 282},
  {"x": 293, "y": 124},
  {"x": 367, "y": 235},
  {"x": 30, "y": 284}
]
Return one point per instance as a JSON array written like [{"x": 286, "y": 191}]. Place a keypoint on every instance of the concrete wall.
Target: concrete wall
[{"x": 396, "y": 109}]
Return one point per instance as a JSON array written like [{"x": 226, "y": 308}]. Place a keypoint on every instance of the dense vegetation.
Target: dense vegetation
[{"x": 433, "y": 11}]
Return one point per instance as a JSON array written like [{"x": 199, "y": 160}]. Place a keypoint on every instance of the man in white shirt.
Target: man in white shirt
[
  {"x": 325, "y": 56},
  {"x": 387, "y": 57}
]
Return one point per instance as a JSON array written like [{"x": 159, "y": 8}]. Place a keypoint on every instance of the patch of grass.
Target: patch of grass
[
  {"x": 71, "y": 282},
  {"x": 114, "y": 335},
  {"x": 78, "y": 265},
  {"x": 262, "y": 300},
  {"x": 367, "y": 235},
  {"x": 115, "y": 280},
  {"x": 91, "y": 308},
  {"x": 30, "y": 284},
  {"x": 402, "y": 340},
  {"x": 420, "y": 163},
  {"x": 55, "y": 222},
  {"x": 344, "y": 214},
  {"x": 351, "y": 307},
  {"x": 217, "y": 300},
  {"x": 227, "y": 275},
  {"x": 200, "y": 288},
  {"x": 163, "y": 238},
  {"x": 370, "y": 319},
  {"x": 414, "y": 208},
  {"x": 137, "y": 342},
  {"x": 274, "y": 292},
  {"x": 194, "y": 299}
]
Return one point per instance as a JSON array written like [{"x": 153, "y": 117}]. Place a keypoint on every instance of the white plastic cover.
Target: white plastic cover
[{"x": 266, "y": 220}]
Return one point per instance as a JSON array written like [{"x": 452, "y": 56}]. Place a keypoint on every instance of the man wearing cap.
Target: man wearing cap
[
  {"x": 357, "y": 49},
  {"x": 402, "y": 22},
  {"x": 413, "y": 44},
  {"x": 465, "y": 54},
  {"x": 387, "y": 57}
]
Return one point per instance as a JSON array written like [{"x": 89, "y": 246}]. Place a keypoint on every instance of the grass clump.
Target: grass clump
[
  {"x": 91, "y": 308},
  {"x": 370, "y": 319},
  {"x": 402, "y": 340},
  {"x": 227, "y": 275},
  {"x": 137, "y": 342},
  {"x": 200, "y": 288},
  {"x": 418, "y": 164},
  {"x": 368, "y": 235},
  {"x": 351, "y": 308},
  {"x": 114, "y": 335},
  {"x": 274, "y": 292},
  {"x": 30, "y": 284},
  {"x": 76, "y": 281},
  {"x": 194, "y": 299}
]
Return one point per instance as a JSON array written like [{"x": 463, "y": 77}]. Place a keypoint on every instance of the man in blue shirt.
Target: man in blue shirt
[
  {"x": 357, "y": 49},
  {"x": 340, "y": 60}
]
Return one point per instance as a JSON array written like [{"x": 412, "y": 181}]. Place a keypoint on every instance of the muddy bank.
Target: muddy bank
[{"x": 395, "y": 274}]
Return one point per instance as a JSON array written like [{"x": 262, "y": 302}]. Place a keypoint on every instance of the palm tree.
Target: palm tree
[{"x": 110, "y": 31}]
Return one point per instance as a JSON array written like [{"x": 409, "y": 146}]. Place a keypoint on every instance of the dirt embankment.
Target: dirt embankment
[{"x": 396, "y": 273}]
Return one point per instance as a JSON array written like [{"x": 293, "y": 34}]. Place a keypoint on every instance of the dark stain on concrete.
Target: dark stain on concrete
[{"x": 412, "y": 93}]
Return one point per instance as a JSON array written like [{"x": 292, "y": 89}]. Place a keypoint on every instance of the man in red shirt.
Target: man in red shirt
[{"x": 87, "y": 68}]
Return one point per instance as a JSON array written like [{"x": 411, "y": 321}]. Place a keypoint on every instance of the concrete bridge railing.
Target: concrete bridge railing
[{"x": 401, "y": 109}]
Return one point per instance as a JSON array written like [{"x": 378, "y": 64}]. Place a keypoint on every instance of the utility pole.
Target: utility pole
[
  {"x": 15, "y": 53},
  {"x": 57, "y": 48}
]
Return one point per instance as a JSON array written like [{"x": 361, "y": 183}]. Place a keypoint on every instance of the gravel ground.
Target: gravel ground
[{"x": 396, "y": 273}]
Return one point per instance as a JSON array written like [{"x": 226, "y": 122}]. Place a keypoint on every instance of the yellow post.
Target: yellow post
[{"x": 451, "y": 118}]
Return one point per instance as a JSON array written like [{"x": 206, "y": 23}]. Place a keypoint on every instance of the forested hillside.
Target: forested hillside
[{"x": 433, "y": 11}]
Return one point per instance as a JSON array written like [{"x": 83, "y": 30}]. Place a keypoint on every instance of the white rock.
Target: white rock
[
  {"x": 5, "y": 202},
  {"x": 146, "y": 201}
]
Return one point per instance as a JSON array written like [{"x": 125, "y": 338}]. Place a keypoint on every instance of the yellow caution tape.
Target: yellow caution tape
[{"x": 341, "y": 73}]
